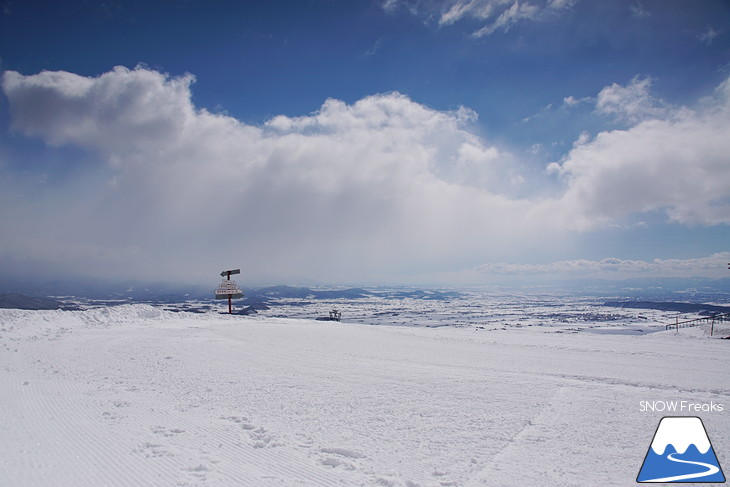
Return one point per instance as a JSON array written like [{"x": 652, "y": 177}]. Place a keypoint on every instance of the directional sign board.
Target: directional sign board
[{"x": 228, "y": 288}]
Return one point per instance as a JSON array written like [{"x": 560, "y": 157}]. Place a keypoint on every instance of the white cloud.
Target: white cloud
[
  {"x": 95, "y": 113},
  {"x": 478, "y": 9},
  {"x": 561, "y": 4},
  {"x": 672, "y": 160},
  {"x": 506, "y": 13},
  {"x": 572, "y": 101},
  {"x": 638, "y": 11},
  {"x": 632, "y": 102},
  {"x": 714, "y": 265},
  {"x": 509, "y": 17},
  {"x": 382, "y": 185},
  {"x": 374, "y": 48},
  {"x": 393, "y": 5},
  {"x": 708, "y": 36}
]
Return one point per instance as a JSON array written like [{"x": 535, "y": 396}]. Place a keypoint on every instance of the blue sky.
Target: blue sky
[{"x": 366, "y": 141}]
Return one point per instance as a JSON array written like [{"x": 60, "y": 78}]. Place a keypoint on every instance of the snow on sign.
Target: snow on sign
[
  {"x": 680, "y": 452},
  {"x": 228, "y": 288}
]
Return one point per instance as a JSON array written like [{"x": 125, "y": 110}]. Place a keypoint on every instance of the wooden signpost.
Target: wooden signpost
[{"x": 228, "y": 288}]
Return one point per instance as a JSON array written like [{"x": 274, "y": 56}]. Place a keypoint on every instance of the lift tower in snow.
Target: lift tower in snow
[{"x": 228, "y": 288}]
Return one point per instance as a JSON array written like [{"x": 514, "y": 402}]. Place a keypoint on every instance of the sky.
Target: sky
[{"x": 365, "y": 142}]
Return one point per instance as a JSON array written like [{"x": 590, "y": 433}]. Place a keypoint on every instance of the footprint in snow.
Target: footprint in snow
[
  {"x": 152, "y": 450},
  {"x": 199, "y": 471},
  {"x": 167, "y": 433},
  {"x": 343, "y": 452},
  {"x": 261, "y": 438},
  {"x": 235, "y": 419},
  {"x": 336, "y": 462},
  {"x": 240, "y": 420}
]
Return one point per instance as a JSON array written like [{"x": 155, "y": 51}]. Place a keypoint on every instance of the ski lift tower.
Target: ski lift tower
[{"x": 228, "y": 288}]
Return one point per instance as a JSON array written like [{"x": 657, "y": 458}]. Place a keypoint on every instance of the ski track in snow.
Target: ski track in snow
[{"x": 133, "y": 395}]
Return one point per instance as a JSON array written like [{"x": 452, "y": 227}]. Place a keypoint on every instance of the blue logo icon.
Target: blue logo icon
[{"x": 680, "y": 452}]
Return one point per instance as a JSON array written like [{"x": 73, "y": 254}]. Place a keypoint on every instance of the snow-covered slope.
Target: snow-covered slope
[{"x": 133, "y": 395}]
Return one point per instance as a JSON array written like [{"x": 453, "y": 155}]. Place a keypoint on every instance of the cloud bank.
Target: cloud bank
[
  {"x": 714, "y": 265},
  {"x": 371, "y": 191},
  {"x": 382, "y": 185},
  {"x": 673, "y": 160}
]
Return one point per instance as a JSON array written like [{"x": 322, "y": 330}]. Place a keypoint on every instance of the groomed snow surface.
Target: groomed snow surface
[{"x": 133, "y": 395}]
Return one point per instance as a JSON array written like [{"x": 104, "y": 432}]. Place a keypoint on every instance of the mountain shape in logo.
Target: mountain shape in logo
[{"x": 680, "y": 452}]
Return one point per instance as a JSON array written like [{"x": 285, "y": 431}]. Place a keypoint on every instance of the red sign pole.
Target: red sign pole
[{"x": 230, "y": 310}]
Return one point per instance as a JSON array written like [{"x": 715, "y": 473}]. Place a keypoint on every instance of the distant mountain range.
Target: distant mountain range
[
  {"x": 693, "y": 290},
  {"x": 104, "y": 292},
  {"x": 294, "y": 292},
  {"x": 99, "y": 289},
  {"x": 264, "y": 297},
  {"x": 670, "y": 306},
  {"x": 20, "y": 301}
]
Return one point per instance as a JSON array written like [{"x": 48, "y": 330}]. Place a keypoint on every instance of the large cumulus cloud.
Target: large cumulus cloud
[
  {"x": 118, "y": 109},
  {"x": 383, "y": 185},
  {"x": 673, "y": 160},
  {"x": 378, "y": 189}
]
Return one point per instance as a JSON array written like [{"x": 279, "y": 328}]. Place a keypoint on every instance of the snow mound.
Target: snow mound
[
  {"x": 20, "y": 319},
  {"x": 125, "y": 313}
]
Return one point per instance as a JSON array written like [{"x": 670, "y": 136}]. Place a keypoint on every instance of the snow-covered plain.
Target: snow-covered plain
[{"x": 134, "y": 395}]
